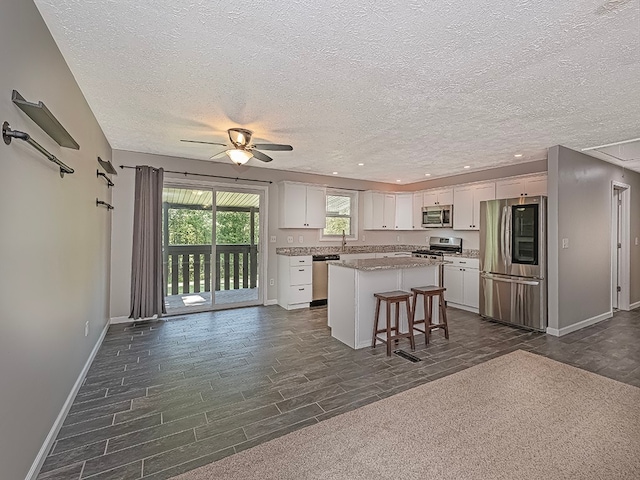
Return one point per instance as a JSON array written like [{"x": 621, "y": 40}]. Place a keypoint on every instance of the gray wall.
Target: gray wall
[
  {"x": 123, "y": 215},
  {"x": 537, "y": 166},
  {"x": 54, "y": 245},
  {"x": 580, "y": 210}
]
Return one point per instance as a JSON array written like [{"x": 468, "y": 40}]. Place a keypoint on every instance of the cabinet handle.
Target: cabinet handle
[
  {"x": 301, "y": 270},
  {"x": 301, "y": 289},
  {"x": 463, "y": 262}
]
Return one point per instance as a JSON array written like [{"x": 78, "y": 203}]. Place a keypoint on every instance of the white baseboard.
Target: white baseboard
[
  {"x": 634, "y": 305},
  {"x": 273, "y": 301},
  {"x": 116, "y": 320},
  {"x": 577, "y": 326},
  {"x": 463, "y": 307},
  {"x": 53, "y": 433}
]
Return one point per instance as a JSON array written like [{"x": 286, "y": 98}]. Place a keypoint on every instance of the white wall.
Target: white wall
[
  {"x": 580, "y": 210},
  {"x": 54, "y": 244}
]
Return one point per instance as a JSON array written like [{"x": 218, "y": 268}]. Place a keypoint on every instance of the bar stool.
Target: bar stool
[
  {"x": 396, "y": 297},
  {"x": 428, "y": 293}
]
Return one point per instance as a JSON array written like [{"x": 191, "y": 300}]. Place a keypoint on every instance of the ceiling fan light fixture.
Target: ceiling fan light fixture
[
  {"x": 239, "y": 136},
  {"x": 239, "y": 157}
]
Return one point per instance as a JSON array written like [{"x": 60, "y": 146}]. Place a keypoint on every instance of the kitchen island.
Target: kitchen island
[{"x": 352, "y": 284}]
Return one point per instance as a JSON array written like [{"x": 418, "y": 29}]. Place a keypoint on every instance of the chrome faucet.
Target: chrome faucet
[{"x": 344, "y": 241}]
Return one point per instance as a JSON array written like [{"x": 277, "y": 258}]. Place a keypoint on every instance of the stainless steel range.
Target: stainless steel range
[{"x": 440, "y": 246}]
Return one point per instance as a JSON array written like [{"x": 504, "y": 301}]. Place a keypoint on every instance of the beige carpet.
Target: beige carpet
[{"x": 520, "y": 416}]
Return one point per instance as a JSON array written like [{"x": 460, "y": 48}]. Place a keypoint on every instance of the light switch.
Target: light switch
[
  {"x": 565, "y": 243},
  {"x": 290, "y": 239},
  {"x": 363, "y": 238},
  {"x": 636, "y": 240},
  {"x": 272, "y": 239},
  {"x": 300, "y": 238}
]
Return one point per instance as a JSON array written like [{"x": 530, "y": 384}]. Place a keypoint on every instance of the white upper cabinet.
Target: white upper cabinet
[
  {"x": 418, "y": 199},
  {"x": 440, "y": 196},
  {"x": 522, "y": 187},
  {"x": 466, "y": 204},
  {"x": 302, "y": 206},
  {"x": 404, "y": 211},
  {"x": 389, "y": 216},
  {"x": 316, "y": 207},
  {"x": 535, "y": 185},
  {"x": 379, "y": 211}
]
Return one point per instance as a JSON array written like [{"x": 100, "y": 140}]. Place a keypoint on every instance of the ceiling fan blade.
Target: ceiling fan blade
[
  {"x": 273, "y": 146},
  {"x": 208, "y": 143},
  {"x": 217, "y": 155},
  {"x": 261, "y": 156}
]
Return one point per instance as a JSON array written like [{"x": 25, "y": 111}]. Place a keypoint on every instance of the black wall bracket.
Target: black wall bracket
[{"x": 104, "y": 175}]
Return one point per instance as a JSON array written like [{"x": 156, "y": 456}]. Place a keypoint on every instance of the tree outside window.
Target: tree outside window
[{"x": 341, "y": 214}]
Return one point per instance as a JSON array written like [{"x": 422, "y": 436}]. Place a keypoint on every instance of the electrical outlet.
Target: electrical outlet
[
  {"x": 397, "y": 238},
  {"x": 272, "y": 282},
  {"x": 290, "y": 239},
  {"x": 86, "y": 329},
  {"x": 363, "y": 238},
  {"x": 272, "y": 239},
  {"x": 300, "y": 238},
  {"x": 426, "y": 239},
  {"x": 565, "y": 243}
]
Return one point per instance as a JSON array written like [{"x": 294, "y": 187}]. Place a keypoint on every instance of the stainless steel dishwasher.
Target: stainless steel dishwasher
[{"x": 320, "y": 273}]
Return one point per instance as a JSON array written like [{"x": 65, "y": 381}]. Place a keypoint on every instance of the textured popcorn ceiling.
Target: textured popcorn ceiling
[{"x": 405, "y": 87}]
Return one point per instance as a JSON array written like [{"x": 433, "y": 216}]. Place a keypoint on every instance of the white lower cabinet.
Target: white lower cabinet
[
  {"x": 462, "y": 281},
  {"x": 294, "y": 281}
]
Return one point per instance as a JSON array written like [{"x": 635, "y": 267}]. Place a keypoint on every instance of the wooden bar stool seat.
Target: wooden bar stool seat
[
  {"x": 428, "y": 293},
  {"x": 396, "y": 297}
]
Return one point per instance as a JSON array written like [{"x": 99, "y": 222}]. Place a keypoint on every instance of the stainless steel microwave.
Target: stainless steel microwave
[{"x": 437, "y": 216}]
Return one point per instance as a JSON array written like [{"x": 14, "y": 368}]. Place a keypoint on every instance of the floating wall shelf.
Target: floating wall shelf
[
  {"x": 107, "y": 166},
  {"x": 40, "y": 114}
]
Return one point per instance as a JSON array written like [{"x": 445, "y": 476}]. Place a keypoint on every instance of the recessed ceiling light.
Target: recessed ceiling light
[
  {"x": 427, "y": 174},
  {"x": 361, "y": 164},
  {"x": 518, "y": 155},
  {"x": 397, "y": 180},
  {"x": 467, "y": 166},
  {"x": 335, "y": 173}
]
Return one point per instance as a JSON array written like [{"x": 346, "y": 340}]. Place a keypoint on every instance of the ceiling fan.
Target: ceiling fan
[{"x": 242, "y": 150}]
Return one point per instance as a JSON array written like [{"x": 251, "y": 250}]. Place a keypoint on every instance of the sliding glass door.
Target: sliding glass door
[
  {"x": 211, "y": 248},
  {"x": 236, "y": 247}
]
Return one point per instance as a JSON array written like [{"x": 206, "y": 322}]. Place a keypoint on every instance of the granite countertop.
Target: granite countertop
[
  {"x": 370, "y": 264},
  {"x": 466, "y": 254},
  {"x": 295, "y": 251},
  {"x": 299, "y": 251}
]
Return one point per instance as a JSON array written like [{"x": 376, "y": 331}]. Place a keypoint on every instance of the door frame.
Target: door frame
[
  {"x": 624, "y": 261},
  {"x": 263, "y": 229}
]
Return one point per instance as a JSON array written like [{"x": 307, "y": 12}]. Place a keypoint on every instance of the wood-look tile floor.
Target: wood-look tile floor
[{"x": 162, "y": 398}]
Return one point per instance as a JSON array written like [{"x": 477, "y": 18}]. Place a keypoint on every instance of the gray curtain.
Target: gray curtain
[{"x": 147, "y": 284}]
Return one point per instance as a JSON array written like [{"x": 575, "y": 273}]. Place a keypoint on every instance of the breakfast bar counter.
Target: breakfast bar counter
[{"x": 352, "y": 283}]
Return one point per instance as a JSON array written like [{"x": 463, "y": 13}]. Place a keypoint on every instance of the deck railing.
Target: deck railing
[{"x": 187, "y": 268}]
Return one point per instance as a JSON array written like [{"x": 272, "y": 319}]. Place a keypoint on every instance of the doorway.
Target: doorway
[
  {"x": 620, "y": 242},
  {"x": 211, "y": 247}
]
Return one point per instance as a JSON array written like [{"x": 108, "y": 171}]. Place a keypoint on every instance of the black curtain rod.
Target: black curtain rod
[{"x": 207, "y": 175}]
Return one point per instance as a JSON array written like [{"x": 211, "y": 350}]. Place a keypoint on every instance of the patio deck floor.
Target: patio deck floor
[{"x": 222, "y": 297}]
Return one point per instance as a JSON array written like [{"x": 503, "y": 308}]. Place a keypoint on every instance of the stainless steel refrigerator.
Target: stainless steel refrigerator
[{"x": 513, "y": 261}]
